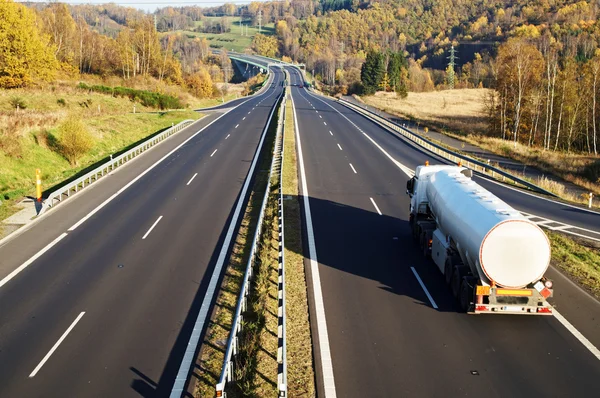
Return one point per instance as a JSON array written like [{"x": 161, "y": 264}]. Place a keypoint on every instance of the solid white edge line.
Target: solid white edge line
[
  {"x": 120, "y": 191},
  {"x": 152, "y": 227},
  {"x": 375, "y": 205},
  {"x": 410, "y": 173},
  {"x": 325, "y": 352},
  {"x": 560, "y": 318},
  {"x": 192, "y": 179},
  {"x": 353, "y": 169},
  {"x": 55, "y": 346},
  {"x": 577, "y": 334},
  {"x": 405, "y": 169},
  {"x": 32, "y": 259},
  {"x": 433, "y": 304},
  {"x": 215, "y": 151},
  {"x": 339, "y": 147},
  {"x": 189, "y": 356}
]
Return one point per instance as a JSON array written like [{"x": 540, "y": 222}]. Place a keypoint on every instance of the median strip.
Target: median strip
[
  {"x": 259, "y": 313},
  {"x": 299, "y": 343}
]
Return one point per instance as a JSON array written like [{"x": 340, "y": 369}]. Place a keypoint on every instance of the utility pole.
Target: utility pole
[
  {"x": 154, "y": 21},
  {"x": 259, "y": 20},
  {"x": 450, "y": 69}
]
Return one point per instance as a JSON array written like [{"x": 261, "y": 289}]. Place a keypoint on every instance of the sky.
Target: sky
[{"x": 151, "y": 5}]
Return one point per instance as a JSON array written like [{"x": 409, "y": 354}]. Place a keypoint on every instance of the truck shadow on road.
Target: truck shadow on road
[{"x": 373, "y": 247}]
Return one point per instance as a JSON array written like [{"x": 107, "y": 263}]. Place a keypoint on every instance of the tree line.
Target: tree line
[
  {"x": 545, "y": 96},
  {"x": 38, "y": 45}
]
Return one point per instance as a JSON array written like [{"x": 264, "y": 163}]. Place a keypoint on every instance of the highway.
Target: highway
[
  {"x": 106, "y": 307},
  {"x": 387, "y": 321}
]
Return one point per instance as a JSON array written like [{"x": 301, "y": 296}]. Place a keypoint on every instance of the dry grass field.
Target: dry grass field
[
  {"x": 461, "y": 114},
  {"x": 458, "y": 110}
]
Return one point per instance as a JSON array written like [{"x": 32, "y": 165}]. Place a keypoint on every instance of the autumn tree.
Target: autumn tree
[
  {"x": 265, "y": 45},
  {"x": 200, "y": 83},
  {"x": 60, "y": 26},
  {"x": 520, "y": 67},
  {"x": 25, "y": 54}
]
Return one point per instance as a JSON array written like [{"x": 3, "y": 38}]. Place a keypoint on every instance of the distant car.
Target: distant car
[{"x": 301, "y": 86}]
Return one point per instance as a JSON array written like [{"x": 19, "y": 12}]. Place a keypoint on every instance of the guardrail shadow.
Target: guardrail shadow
[
  {"x": 162, "y": 387},
  {"x": 351, "y": 240}
]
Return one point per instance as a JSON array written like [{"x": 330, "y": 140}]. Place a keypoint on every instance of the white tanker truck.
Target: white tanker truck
[{"x": 492, "y": 257}]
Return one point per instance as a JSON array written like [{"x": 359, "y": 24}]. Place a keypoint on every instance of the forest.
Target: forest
[{"x": 538, "y": 55}]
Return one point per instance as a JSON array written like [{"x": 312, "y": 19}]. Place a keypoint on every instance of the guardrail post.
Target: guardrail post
[{"x": 591, "y": 197}]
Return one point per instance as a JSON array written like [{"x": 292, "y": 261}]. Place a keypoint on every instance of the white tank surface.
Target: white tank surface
[{"x": 499, "y": 243}]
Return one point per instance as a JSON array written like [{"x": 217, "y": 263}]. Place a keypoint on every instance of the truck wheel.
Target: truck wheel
[
  {"x": 415, "y": 230},
  {"x": 457, "y": 276},
  {"x": 466, "y": 295},
  {"x": 448, "y": 272}
]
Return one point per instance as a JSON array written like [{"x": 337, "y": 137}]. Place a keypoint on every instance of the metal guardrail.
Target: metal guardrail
[
  {"x": 231, "y": 349},
  {"x": 94, "y": 175},
  {"x": 281, "y": 314},
  {"x": 439, "y": 150}
]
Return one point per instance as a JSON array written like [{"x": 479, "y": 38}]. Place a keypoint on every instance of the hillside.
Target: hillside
[{"x": 30, "y": 137}]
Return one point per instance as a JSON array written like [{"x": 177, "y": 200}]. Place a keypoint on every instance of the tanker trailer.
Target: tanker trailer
[{"x": 492, "y": 257}]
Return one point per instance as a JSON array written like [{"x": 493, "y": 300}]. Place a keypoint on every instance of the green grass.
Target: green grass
[
  {"x": 210, "y": 102},
  {"x": 581, "y": 262},
  {"x": 34, "y": 130},
  {"x": 239, "y": 43},
  {"x": 299, "y": 345}
]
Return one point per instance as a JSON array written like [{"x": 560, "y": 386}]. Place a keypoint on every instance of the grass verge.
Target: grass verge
[
  {"x": 257, "y": 319},
  {"x": 579, "y": 259},
  {"x": 37, "y": 149},
  {"x": 301, "y": 378}
]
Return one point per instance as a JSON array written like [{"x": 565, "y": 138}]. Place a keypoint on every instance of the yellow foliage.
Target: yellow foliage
[
  {"x": 75, "y": 139},
  {"x": 265, "y": 45},
  {"x": 25, "y": 54},
  {"x": 530, "y": 31},
  {"x": 201, "y": 84}
]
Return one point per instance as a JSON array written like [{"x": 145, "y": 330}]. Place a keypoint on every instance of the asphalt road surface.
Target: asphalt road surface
[
  {"x": 385, "y": 336},
  {"x": 107, "y": 310}
]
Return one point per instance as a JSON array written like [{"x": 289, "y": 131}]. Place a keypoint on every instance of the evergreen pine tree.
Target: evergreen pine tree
[
  {"x": 398, "y": 73},
  {"x": 372, "y": 71}
]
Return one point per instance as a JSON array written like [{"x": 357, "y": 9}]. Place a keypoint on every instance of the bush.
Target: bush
[
  {"x": 10, "y": 144},
  {"x": 18, "y": 103},
  {"x": 150, "y": 99},
  {"x": 61, "y": 102},
  {"x": 75, "y": 139}
]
